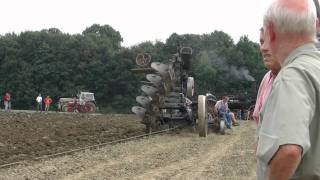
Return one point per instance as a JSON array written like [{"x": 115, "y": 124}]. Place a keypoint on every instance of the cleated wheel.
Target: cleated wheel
[
  {"x": 202, "y": 116},
  {"x": 143, "y": 59},
  {"x": 222, "y": 127}
]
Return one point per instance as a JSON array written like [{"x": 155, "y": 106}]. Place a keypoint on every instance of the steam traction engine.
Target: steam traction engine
[{"x": 168, "y": 94}]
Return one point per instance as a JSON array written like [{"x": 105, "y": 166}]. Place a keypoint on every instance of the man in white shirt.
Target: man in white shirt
[
  {"x": 39, "y": 102},
  {"x": 223, "y": 110}
]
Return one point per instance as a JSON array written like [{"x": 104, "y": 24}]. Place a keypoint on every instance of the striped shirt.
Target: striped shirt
[{"x": 263, "y": 93}]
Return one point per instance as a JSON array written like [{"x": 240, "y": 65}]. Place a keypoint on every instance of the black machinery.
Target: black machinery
[{"x": 168, "y": 94}]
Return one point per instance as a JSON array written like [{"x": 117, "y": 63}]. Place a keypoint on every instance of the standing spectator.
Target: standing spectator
[
  {"x": 7, "y": 101},
  {"x": 265, "y": 86},
  {"x": 47, "y": 103},
  {"x": 39, "y": 102},
  {"x": 289, "y": 134}
]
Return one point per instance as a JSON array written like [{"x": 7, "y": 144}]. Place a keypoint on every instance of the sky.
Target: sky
[{"x": 136, "y": 20}]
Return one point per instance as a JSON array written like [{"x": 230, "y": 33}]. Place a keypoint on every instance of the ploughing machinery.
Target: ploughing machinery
[{"x": 167, "y": 97}]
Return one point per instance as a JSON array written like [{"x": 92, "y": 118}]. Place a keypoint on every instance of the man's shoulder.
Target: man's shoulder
[
  {"x": 218, "y": 102},
  {"x": 304, "y": 66}
]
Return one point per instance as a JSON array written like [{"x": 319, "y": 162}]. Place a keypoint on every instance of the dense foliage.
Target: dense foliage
[{"x": 54, "y": 63}]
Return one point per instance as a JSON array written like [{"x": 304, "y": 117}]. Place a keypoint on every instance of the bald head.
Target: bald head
[
  {"x": 292, "y": 16},
  {"x": 294, "y": 5},
  {"x": 288, "y": 24}
]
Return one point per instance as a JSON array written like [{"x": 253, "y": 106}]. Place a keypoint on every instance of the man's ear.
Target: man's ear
[{"x": 272, "y": 34}]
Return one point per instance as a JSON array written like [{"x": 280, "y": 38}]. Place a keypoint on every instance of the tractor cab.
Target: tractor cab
[{"x": 86, "y": 97}]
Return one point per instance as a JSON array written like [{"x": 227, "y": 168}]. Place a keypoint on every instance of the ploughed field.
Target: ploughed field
[
  {"x": 180, "y": 154},
  {"x": 27, "y": 134}
]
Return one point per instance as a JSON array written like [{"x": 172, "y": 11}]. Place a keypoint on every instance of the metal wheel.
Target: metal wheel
[
  {"x": 143, "y": 59},
  {"x": 202, "y": 116},
  {"x": 222, "y": 127}
]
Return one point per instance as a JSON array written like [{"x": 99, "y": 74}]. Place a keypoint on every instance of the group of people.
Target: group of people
[
  {"x": 47, "y": 102},
  {"x": 287, "y": 109}
]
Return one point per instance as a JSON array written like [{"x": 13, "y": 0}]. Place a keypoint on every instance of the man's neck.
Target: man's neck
[
  {"x": 290, "y": 43},
  {"x": 274, "y": 73}
]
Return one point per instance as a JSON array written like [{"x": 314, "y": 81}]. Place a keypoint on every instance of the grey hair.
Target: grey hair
[{"x": 286, "y": 20}]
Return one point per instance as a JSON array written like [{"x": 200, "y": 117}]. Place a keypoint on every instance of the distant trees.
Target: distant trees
[{"x": 54, "y": 63}]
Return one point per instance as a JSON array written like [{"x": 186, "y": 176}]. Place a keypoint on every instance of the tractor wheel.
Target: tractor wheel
[
  {"x": 64, "y": 108},
  {"x": 89, "y": 107},
  {"x": 222, "y": 127},
  {"x": 202, "y": 116}
]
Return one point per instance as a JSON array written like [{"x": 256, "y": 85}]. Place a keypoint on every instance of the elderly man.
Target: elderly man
[{"x": 289, "y": 137}]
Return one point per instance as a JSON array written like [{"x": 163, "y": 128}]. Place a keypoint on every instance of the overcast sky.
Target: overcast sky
[{"x": 136, "y": 20}]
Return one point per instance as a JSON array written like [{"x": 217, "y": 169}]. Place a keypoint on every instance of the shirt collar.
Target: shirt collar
[{"x": 271, "y": 76}]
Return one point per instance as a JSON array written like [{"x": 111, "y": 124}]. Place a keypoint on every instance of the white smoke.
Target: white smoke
[{"x": 241, "y": 73}]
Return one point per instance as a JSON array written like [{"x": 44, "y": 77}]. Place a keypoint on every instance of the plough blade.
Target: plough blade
[
  {"x": 139, "y": 111},
  {"x": 149, "y": 90},
  {"x": 144, "y": 100},
  {"x": 154, "y": 79},
  {"x": 160, "y": 68}
]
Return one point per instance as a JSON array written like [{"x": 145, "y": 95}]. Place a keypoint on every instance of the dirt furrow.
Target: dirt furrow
[{"x": 181, "y": 155}]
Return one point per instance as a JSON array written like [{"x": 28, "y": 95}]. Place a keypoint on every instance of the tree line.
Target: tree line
[{"x": 59, "y": 64}]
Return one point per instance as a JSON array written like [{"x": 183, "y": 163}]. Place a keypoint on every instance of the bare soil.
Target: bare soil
[
  {"x": 177, "y": 155},
  {"x": 27, "y": 135}
]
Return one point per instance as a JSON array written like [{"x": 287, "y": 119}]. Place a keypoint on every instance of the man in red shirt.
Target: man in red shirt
[
  {"x": 7, "y": 101},
  {"x": 47, "y": 102}
]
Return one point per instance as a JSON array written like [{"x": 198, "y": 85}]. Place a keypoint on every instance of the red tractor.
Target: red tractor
[{"x": 84, "y": 103}]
